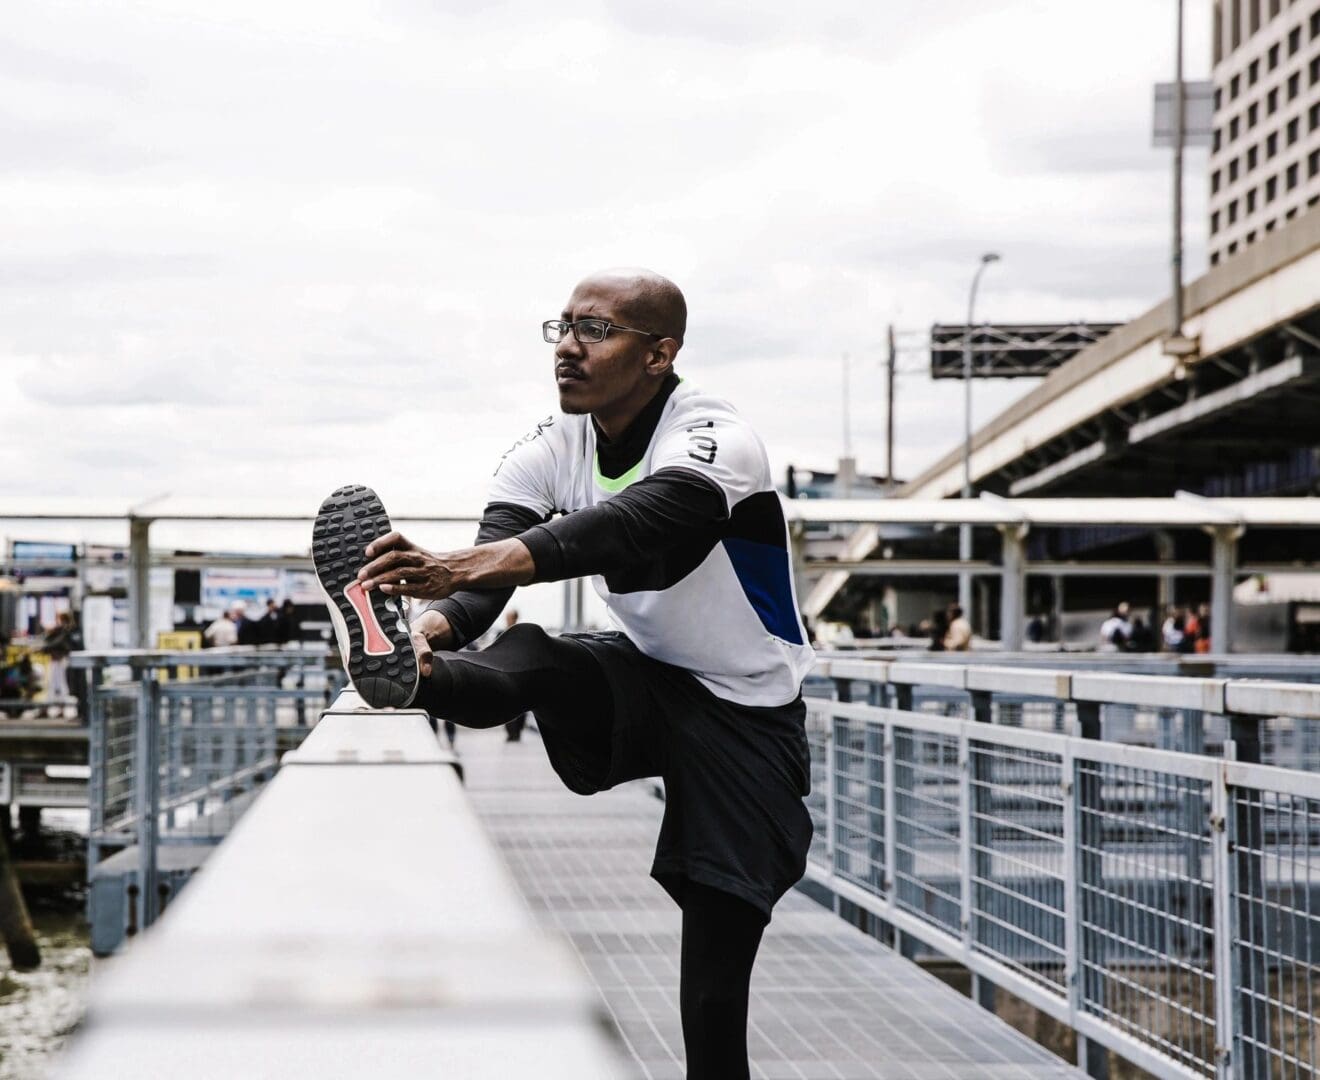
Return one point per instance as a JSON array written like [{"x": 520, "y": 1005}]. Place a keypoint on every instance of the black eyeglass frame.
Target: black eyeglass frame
[{"x": 563, "y": 325}]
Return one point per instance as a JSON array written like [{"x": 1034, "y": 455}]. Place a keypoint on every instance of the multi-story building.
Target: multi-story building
[{"x": 1265, "y": 158}]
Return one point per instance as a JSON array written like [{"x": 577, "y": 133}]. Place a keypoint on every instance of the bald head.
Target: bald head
[{"x": 645, "y": 299}]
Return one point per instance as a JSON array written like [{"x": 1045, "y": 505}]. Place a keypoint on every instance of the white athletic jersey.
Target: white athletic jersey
[{"x": 727, "y": 610}]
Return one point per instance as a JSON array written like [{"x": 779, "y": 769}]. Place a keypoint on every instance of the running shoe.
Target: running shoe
[{"x": 373, "y": 633}]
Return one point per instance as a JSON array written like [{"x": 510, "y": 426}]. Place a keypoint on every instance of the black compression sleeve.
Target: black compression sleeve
[
  {"x": 662, "y": 510},
  {"x": 471, "y": 611}
]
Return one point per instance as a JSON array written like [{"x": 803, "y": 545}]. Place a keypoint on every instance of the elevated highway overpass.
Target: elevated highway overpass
[{"x": 1126, "y": 419}]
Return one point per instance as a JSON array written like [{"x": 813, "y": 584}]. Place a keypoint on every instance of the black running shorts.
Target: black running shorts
[{"x": 735, "y": 775}]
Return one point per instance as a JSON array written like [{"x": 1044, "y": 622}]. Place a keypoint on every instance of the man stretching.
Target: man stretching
[{"x": 663, "y": 495}]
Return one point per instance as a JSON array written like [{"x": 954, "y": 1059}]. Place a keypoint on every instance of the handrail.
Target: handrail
[
  {"x": 356, "y": 922},
  {"x": 1163, "y": 904}
]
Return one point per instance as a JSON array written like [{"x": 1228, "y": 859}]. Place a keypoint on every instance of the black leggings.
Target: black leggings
[{"x": 528, "y": 670}]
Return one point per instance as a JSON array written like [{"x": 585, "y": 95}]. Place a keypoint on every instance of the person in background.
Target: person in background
[
  {"x": 1116, "y": 631},
  {"x": 514, "y": 728},
  {"x": 249, "y": 632},
  {"x": 268, "y": 627},
  {"x": 938, "y": 630},
  {"x": 57, "y": 645},
  {"x": 222, "y": 632},
  {"x": 288, "y": 622},
  {"x": 1171, "y": 632},
  {"x": 958, "y": 637},
  {"x": 1203, "y": 629}
]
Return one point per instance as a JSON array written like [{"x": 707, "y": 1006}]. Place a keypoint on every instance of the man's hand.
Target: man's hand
[
  {"x": 430, "y": 630},
  {"x": 398, "y": 566}
]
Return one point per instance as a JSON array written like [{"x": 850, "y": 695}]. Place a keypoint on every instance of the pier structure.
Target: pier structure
[{"x": 1109, "y": 849}]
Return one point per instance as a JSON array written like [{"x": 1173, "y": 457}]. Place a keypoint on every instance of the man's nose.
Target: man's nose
[{"x": 569, "y": 348}]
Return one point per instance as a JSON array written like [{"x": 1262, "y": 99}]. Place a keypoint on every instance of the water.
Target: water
[{"x": 38, "y": 1009}]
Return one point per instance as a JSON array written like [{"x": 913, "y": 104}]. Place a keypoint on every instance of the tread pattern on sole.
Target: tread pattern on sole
[{"x": 349, "y": 519}]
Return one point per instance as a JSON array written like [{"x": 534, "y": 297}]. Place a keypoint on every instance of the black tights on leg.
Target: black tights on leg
[
  {"x": 524, "y": 670},
  {"x": 721, "y": 934}
]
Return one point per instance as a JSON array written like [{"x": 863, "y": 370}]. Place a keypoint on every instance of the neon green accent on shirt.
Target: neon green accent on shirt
[{"x": 619, "y": 482}]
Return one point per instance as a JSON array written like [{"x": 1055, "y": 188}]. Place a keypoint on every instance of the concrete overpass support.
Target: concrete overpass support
[
  {"x": 1012, "y": 595},
  {"x": 1223, "y": 577}
]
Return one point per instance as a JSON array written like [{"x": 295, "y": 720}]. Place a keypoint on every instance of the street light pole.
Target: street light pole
[{"x": 965, "y": 529}]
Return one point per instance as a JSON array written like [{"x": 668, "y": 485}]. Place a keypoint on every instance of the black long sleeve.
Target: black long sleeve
[
  {"x": 670, "y": 508},
  {"x": 470, "y": 612}
]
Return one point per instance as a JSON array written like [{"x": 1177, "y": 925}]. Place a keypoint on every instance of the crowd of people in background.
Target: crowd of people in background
[
  {"x": 1185, "y": 629},
  {"x": 277, "y": 625}
]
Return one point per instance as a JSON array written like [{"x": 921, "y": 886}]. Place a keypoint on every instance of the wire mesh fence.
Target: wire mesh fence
[{"x": 1161, "y": 902}]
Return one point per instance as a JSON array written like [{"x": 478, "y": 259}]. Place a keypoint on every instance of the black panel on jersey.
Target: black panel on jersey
[{"x": 616, "y": 457}]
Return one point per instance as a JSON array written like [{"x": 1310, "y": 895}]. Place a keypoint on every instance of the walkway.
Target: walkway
[{"x": 828, "y": 1002}]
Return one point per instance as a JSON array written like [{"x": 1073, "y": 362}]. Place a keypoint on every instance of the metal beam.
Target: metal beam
[
  {"x": 1079, "y": 459},
  {"x": 1224, "y": 559},
  {"x": 139, "y": 584},
  {"x": 1012, "y": 593}
]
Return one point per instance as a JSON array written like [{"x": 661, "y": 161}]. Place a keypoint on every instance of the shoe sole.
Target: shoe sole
[{"x": 373, "y": 636}]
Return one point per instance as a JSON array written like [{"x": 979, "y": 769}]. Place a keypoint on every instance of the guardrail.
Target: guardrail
[
  {"x": 167, "y": 756},
  {"x": 1164, "y": 904},
  {"x": 326, "y": 940}
]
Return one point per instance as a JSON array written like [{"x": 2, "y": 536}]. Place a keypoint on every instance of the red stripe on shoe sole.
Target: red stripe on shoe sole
[{"x": 377, "y": 644}]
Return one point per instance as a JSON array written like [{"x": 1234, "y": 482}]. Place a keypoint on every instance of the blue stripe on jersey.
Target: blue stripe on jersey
[{"x": 763, "y": 574}]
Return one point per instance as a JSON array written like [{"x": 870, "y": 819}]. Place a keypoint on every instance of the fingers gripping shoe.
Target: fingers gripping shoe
[{"x": 373, "y": 634}]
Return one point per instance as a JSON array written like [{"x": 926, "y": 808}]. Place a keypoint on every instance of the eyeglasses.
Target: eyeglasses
[{"x": 587, "y": 331}]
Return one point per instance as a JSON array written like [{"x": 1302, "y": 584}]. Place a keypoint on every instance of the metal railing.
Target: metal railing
[
  {"x": 325, "y": 940},
  {"x": 168, "y": 756},
  {"x": 1164, "y": 904}
]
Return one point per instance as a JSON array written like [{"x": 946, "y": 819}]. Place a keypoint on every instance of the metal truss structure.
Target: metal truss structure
[{"x": 1010, "y": 350}]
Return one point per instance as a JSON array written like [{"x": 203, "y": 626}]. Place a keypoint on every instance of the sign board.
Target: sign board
[
  {"x": 1198, "y": 113},
  {"x": 179, "y": 641},
  {"x": 1009, "y": 350}
]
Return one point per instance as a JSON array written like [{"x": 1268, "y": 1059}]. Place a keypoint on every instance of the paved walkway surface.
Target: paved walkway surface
[{"x": 828, "y": 1002}]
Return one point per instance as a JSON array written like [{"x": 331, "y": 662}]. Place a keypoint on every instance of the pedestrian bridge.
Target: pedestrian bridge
[{"x": 1157, "y": 893}]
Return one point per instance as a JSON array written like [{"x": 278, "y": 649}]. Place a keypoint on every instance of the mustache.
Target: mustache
[{"x": 569, "y": 370}]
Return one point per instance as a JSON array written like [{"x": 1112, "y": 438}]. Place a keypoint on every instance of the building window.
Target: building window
[
  {"x": 1214, "y": 149},
  {"x": 1253, "y": 114},
  {"x": 1219, "y": 99},
  {"x": 1271, "y": 188},
  {"x": 1315, "y": 26},
  {"x": 1314, "y": 116},
  {"x": 1294, "y": 41},
  {"x": 1232, "y": 170},
  {"x": 1250, "y": 238},
  {"x": 1214, "y": 223},
  {"x": 1269, "y": 226},
  {"x": 1232, "y": 248},
  {"x": 1294, "y": 126},
  {"x": 1294, "y": 84},
  {"x": 1214, "y": 182},
  {"x": 1251, "y": 201},
  {"x": 1272, "y": 57},
  {"x": 1291, "y": 176},
  {"x": 1290, "y": 214},
  {"x": 1313, "y": 163},
  {"x": 1253, "y": 73},
  {"x": 1251, "y": 159},
  {"x": 1315, "y": 70},
  {"x": 1214, "y": 258},
  {"x": 1232, "y": 212},
  {"x": 1271, "y": 145},
  {"x": 1233, "y": 127},
  {"x": 1272, "y": 102}
]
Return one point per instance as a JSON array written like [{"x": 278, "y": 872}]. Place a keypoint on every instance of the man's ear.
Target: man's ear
[{"x": 661, "y": 357}]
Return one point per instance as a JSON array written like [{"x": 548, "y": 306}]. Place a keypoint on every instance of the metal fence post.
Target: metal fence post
[
  {"x": 147, "y": 795},
  {"x": 1251, "y": 1061},
  {"x": 1088, "y": 879},
  {"x": 97, "y": 756},
  {"x": 979, "y": 840},
  {"x": 899, "y": 860},
  {"x": 1224, "y": 920}
]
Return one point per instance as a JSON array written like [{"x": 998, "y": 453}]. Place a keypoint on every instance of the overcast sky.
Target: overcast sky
[{"x": 269, "y": 247}]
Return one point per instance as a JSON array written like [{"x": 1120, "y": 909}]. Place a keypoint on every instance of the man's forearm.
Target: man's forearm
[{"x": 491, "y": 566}]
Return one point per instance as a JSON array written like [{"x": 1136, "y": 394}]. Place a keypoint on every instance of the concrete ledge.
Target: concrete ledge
[
  {"x": 917, "y": 674},
  {"x": 1153, "y": 691},
  {"x": 1033, "y": 682},
  {"x": 1273, "y": 699}
]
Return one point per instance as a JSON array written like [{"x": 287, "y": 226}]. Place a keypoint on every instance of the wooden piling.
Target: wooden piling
[{"x": 15, "y": 925}]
